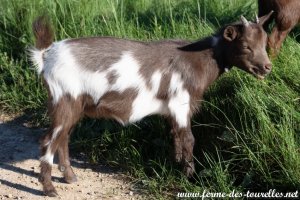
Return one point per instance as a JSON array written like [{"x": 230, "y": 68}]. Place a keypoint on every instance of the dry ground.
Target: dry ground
[{"x": 19, "y": 168}]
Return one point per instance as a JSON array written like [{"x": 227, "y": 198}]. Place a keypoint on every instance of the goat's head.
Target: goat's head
[{"x": 245, "y": 46}]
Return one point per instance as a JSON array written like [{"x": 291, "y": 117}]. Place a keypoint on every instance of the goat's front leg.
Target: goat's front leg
[
  {"x": 64, "y": 161},
  {"x": 176, "y": 141},
  {"x": 188, "y": 142},
  {"x": 183, "y": 147}
]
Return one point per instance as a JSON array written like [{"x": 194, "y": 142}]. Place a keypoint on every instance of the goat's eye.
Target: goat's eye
[{"x": 246, "y": 48}]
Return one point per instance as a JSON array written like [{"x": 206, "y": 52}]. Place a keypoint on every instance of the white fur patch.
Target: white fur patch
[
  {"x": 54, "y": 135},
  {"x": 127, "y": 69},
  {"x": 179, "y": 103},
  {"x": 36, "y": 57},
  {"x": 146, "y": 102},
  {"x": 64, "y": 75},
  {"x": 48, "y": 157},
  {"x": 155, "y": 81}
]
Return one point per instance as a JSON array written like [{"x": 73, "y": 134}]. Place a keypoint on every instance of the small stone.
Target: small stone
[
  {"x": 130, "y": 193},
  {"x": 9, "y": 196}
]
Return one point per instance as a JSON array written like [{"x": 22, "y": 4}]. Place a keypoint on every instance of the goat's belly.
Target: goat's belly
[
  {"x": 146, "y": 104},
  {"x": 127, "y": 106}
]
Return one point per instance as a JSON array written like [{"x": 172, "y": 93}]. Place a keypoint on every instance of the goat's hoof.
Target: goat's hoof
[
  {"x": 178, "y": 157},
  {"x": 189, "y": 169},
  {"x": 69, "y": 175},
  {"x": 71, "y": 179},
  {"x": 51, "y": 192}
]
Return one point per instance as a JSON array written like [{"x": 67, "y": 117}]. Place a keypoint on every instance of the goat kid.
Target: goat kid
[
  {"x": 105, "y": 77},
  {"x": 286, "y": 15}
]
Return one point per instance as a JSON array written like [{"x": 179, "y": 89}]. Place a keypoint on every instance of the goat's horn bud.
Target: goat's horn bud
[{"x": 244, "y": 21}]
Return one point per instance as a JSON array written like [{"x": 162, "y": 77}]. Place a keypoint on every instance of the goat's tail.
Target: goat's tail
[
  {"x": 44, "y": 35},
  {"x": 43, "y": 32}
]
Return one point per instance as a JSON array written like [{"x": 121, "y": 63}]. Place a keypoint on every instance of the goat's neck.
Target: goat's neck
[{"x": 205, "y": 68}]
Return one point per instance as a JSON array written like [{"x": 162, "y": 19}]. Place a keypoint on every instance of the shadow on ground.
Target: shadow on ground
[{"x": 20, "y": 143}]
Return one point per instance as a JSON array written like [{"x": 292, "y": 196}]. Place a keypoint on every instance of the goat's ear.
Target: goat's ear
[
  {"x": 262, "y": 20},
  {"x": 230, "y": 33}
]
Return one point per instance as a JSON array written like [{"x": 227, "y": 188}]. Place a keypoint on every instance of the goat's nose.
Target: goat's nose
[{"x": 268, "y": 67}]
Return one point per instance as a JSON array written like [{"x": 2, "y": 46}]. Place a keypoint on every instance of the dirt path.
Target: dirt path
[{"x": 19, "y": 168}]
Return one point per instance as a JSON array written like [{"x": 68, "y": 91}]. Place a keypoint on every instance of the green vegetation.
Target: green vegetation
[{"x": 247, "y": 135}]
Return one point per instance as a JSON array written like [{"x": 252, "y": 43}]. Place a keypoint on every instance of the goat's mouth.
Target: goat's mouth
[{"x": 258, "y": 73}]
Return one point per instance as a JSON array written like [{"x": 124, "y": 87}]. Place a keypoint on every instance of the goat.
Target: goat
[
  {"x": 126, "y": 80},
  {"x": 286, "y": 15}
]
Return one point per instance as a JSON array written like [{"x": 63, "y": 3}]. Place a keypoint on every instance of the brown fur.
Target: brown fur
[
  {"x": 43, "y": 32},
  {"x": 113, "y": 105},
  {"x": 112, "y": 77},
  {"x": 163, "y": 92},
  {"x": 286, "y": 15}
]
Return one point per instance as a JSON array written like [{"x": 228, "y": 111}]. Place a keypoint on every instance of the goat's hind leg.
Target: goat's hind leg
[
  {"x": 64, "y": 161},
  {"x": 65, "y": 115},
  {"x": 56, "y": 139},
  {"x": 47, "y": 151}
]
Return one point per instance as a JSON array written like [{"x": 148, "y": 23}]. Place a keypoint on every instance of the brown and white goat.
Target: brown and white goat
[
  {"x": 104, "y": 77},
  {"x": 286, "y": 15}
]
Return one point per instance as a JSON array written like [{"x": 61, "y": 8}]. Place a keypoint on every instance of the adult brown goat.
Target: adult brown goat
[
  {"x": 286, "y": 15},
  {"x": 104, "y": 77}
]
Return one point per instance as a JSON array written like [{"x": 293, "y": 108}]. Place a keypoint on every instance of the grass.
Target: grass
[{"x": 247, "y": 134}]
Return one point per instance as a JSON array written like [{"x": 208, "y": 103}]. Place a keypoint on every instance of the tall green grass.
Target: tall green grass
[{"x": 247, "y": 133}]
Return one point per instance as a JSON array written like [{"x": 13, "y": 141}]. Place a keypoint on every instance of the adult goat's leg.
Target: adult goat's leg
[{"x": 276, "y": 39}]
